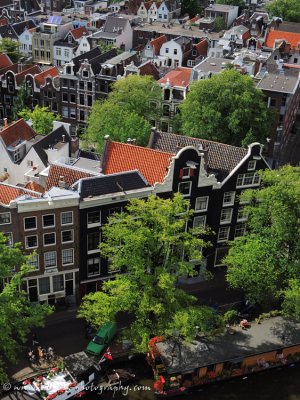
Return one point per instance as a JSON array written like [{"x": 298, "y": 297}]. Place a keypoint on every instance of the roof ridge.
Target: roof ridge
[
  {"x": 19, "y": 188},
  {"x": 144, "y": 148}
]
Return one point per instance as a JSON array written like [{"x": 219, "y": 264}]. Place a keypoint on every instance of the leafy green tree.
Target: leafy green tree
[
  {"x": 219, "y": 24},
  {"x": 239, "y": 3},
  {"x": 22, "y": 101},
  {"x": 148, "y": 242},
  {"x": 128, "y": 108},
  {"x": 11, "y": 48},
  {"x": 291, "y": 299},
  {"x": 288, "y": 10},
  {"x": 18, "y": 316},
  {"x": 226, "y": 108},
  {"x": 190, "y": 7},
  {"x": 42, "y": 119},
  {"x": 263, "y": 262}
]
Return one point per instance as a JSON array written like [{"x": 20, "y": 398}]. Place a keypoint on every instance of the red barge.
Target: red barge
[{"x": 180, "y": 366}]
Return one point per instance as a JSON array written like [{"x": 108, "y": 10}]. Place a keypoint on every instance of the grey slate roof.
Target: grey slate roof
[
  {"x": 6, "y": 31},
  {"x": 91, "y": 155},
  {"x": 51, "y": 139},
  {"x": 19, "y": 27},
  {"x": 95, "y": 58},
  {"x": 114, "y": 24},
  {"x": 114, "y": 183},
  {"x": 276, "y": 82},
  {"x": 222, "y": 158}
]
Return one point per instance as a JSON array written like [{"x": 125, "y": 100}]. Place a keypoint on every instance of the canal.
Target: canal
[{"x": 279, "y": 384}]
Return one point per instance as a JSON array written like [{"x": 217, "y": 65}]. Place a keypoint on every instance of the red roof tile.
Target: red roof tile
[
  {"x": 202, "y": 47},
  {"x": 121, "y": 157},
  {"x": 149, "y": 69},
  {"x": 40, "y": 78},
  {"x": 14, "y": 68},
  {"x": 157, "y": 43},
  {"x": 32, "y": 69},
  {"x": 290, "y": 37},
  {"x": 79, "y": 32},
  {"x": 34, "y": 187},
  {"x": 4, "y": 61},
  {"x": 179, "y": 77},
  {"x": 9, "y": 193},
  {"x": 18, "y": 130},
  {"x": 3, "y": 22},
  {"x": 70, "y": 175}
]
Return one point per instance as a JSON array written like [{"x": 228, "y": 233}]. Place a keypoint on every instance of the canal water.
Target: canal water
[{"x": 279, "y": 384}]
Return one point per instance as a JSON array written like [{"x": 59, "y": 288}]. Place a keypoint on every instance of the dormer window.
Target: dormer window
[
  {"x": 68, "y": 70},
  {"x": 85, "y": 73}
]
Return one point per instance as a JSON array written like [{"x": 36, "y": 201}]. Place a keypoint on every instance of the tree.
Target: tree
[
  {"x": 128, "y": 108},
  {"x": 150, "y": 245},
  {"x": 266, "y": 259},
  {"x": 291, "y": 299},
  {"x": 239, "y": 3},
  {"x": 11, "y": 48},
  {"x": 219, "y": 24},
  {"x": 288, "y": 10},
  {"x": 42, "y": 119},
  {"x": 226, "y": 108},
  {"x": 18, "y": 316},
  {"x": 190, "y": 7},
  {"x": 22, "y": 101}
]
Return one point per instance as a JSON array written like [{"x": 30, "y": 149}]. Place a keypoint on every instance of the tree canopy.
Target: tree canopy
[
  {"x": 239, "y": 3},
  {"x": 18, "y": 316},
  {"x": 265, "y": 262},
  {"x": 22, "y": 101},
  {"x": 151, "y": 247},
  {"x": 126, "y": 112},
  {"x": 288, "y": 10},
  {"x": 11, "y": 48},
  {"x": 190, "y": 7},
  {"x": 226, "y": 108},
  {"x": 220, "y": 24},
  {"x": 42, "y": 119}
]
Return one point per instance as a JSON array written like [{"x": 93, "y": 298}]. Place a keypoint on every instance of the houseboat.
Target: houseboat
[{"x": 181, "y": 366}]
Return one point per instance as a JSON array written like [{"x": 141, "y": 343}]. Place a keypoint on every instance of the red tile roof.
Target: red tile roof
[
  {"x": 9, "y": 193},
  {"x": 152, "y": 164},
  {"x": 179, "y": 77},
  {"x": 149, "y": 69},
  {"x": 4, "y": 61},
  {"x": 79, "y": 32},
  {"x": 32, "y": 69},
  {"x": 70, "y": 175},
  {"x": 157, "y": 43},
  {"x": 290, "y": 37},
  {"x": 18, "y": 130},
  {"x": 14, "y": 68},
  {"x": 3, "y": 22},
  {"x": 202, "y": 47},
  {"x": 40, "y": 78},
  {"x": 34, "y": 187}
]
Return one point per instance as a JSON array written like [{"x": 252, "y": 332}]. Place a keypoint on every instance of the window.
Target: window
[
  {"x": 72, "y": 98},
  {"x": 31, "y": 242},
  {"x": 48, "y": 221},
  {"x": 185, "y": 172},
  {"x": 34, "y": 261},
  {"x": 272, "y": 102},
  {"x": 81, "y": 99},
  {"x": 93, "y": 241},
  {"x": 44, "y": 285},
  {"x": 49, "y": 239},
  {"x": 58, "y": 283},
  {"x": 50, "y": 259},
  {"x": 175, "y": 51},
  {"x": 226, "y": 215},
  {"x": 81, "y": 85},
  {"x": 65, "y": 96},
  {"x": 65, "y": 112},
  {"x": 5, "y": 218},
  {"x": 201, "y": 203},
  {"x": 90, "y": 86},
  {"x": 66, "y": 218},
  {"x": 9, "y": 239},
  {"x": 58, "y": 51},
  {"x": 251, "y": 165},
  {"x": 242, "y": 214},
  {"x": 228, "y": 199},
  {"x": 240, "y": 230},
  {"x": 199, "y": 222},
  {"x": 248, "y": 179},
  {"x": 85, "y": 73},
  {"x": 167, "y": 50},
  {"x": 221, "y": 252},
  {"x": 185, "y": 188},
  {"x": 223, "y": 234},
  {"x": 94, "y": 217},
  {"x": 67, "y": 236},
  {"x": 93, "y": 266},
  {"x": 29, "y": 223},
  {"x": 67, "y": 53},
  {"x": 68, "y": 256},
  {"x": 72, "y": 113}
]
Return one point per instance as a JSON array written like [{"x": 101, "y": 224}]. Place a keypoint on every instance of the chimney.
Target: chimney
[
  {"x": 205, "y": 156},
  {"x": 61, "y": 182},
  {"x": 5, "y": 123}
]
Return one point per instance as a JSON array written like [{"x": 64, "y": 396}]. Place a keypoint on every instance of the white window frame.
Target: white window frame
[
  {"x": 241, "y": 228},
  {"x": 190, "y": 188},
  {"x": 6, "y": 223},
  {"x": 184, "y": 170},
  {"x": 240, "y": 181},
  {"x": 199, "y": 217},
  {"x": 251, "y": 165},
  {"x": 69, "y": 241},
  {"x": 201, "y": 199},
  {"x": 49, "y": 226},
  {"x": 10, "y": 238},
  {"x": 216, "y": 254},
  {"x": 62, "y": 257},
  {"x": 93, "y": 251},
  {"x": 52, "y": 284},
  {"x": 232, "y": 194},
  {"x": 32, "y": 247},
  {"x": 223, "y": 229},
  {"x": 61, "y": 218},
  {"x": 30, "y": 229},
  {"x": 51, "y": 244},
  {"x": 94, "y": 224},
  {"x": 51, "y": 266},
  {"x": 36, "y": 268},
  {"x": 241, "y": 209},
  {"x": 226, "y": 211},
  {"x": 87, "y": 265}
]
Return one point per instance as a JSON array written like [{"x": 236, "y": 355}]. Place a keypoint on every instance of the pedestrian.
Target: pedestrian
[{"x": 34, "y": 340}]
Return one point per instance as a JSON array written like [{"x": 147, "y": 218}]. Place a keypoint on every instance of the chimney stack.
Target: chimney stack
[{"x": 5, "y": 123}]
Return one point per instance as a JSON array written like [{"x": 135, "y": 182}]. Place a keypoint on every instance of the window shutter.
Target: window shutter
[{"x": 181, "y": 173}]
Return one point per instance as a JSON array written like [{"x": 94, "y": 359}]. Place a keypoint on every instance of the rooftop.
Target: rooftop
[
  {"x": 79, "y": 32},
  {"x": 291, "y": 37},
  {"x": 261, "y": 338},
  {"x": 157, "y": 43},
  {"x": 212, "y": 64},
  {"x": 221, "y": 8},
  {"x": 40, "y": 78},
  {"x": 17, "y": 131},
  {"x": 4, "y": 61},
  {"x": 180, "y": 77},
  {"x": 9, "y": 193},
  {"x": 277, "y": 82},
  {"x": 152, "y": 164}
]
